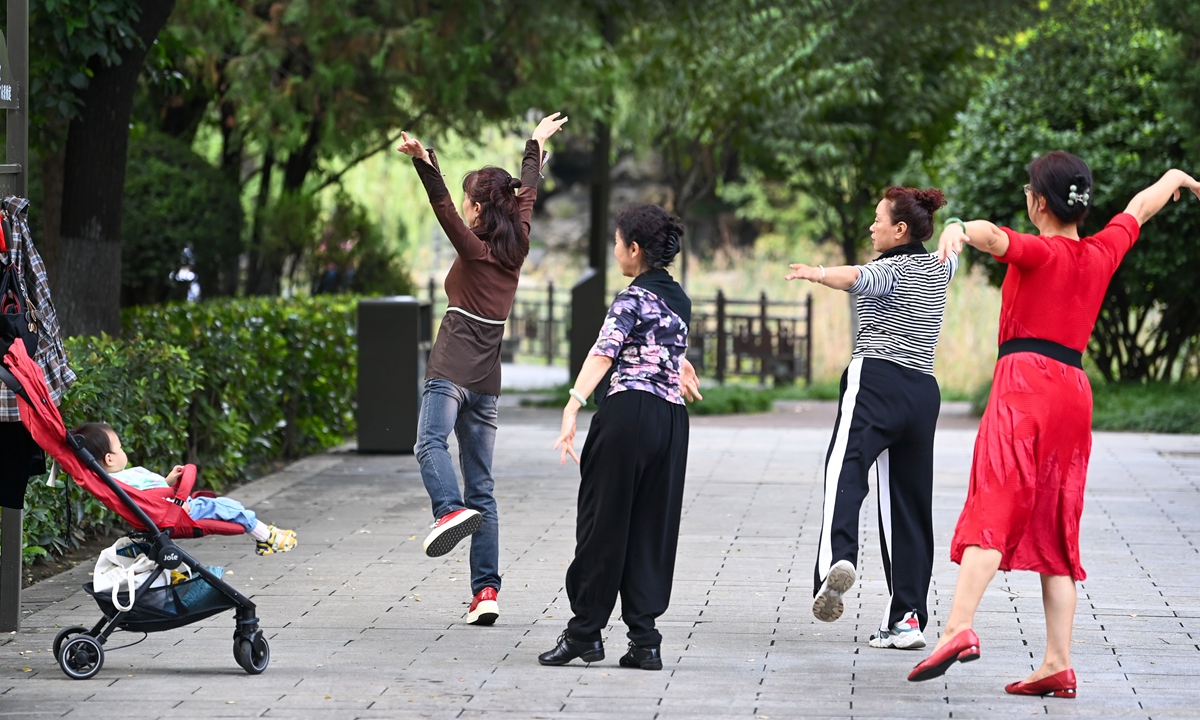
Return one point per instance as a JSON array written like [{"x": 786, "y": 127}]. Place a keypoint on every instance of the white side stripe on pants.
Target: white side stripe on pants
[
  {"x": 833, "y": 470},
  {"x": 883, "y": 475}
]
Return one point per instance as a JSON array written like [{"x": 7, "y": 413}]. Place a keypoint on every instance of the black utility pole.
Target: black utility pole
[
  {"x": 14, "y": 180},
  {"x": 589, "y": 298}
]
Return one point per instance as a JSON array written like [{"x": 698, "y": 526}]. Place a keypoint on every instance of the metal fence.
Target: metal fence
[
  {"x": 763, "y": 338},
  {"x": 728, "y": 337}
]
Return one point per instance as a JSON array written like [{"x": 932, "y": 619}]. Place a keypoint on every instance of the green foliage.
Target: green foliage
[
  {"x": 1147, "y": 407},
  {"x": 1180, "y": 19},
  {"x": 830, "y": 100},
  {"x": 1091, "y": 85},
  {"x": 731, "y": 400},
  {"x": 68, "y": 39},
  {"x": 1158, "y": 407},
  {"x": 352, "y": 255},
  {"x": 279, "y": 376},
  {"x": 228, "y": 385},
  {"x": 176, "y": 206}
]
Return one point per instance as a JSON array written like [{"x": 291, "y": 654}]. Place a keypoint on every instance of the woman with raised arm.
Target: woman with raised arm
[
  {"x": 635, "y": 455},
  {"x": 462, "y": 380},
  {"x": 1031, "y": 454},
  {"x": 887, "y": 414}
]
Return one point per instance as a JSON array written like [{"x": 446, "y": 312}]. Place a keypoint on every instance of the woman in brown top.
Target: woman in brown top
[{"x": 462, "y": 382}]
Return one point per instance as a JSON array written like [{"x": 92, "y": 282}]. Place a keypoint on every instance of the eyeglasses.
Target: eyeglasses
[{"x": 1027, "y": 188}]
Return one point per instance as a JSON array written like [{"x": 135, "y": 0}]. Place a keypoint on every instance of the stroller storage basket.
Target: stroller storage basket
[{"x": 166, "y": 607}]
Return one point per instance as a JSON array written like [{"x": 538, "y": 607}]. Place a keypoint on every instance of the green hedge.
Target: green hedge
[{"x": 229, "y": 385}]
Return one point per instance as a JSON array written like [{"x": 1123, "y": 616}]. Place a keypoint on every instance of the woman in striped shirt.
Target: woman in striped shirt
[{"x": 887, "y": 411}]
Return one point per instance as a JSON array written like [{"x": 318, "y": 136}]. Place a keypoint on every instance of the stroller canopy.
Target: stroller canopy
[{"x": 45, "y": 424}]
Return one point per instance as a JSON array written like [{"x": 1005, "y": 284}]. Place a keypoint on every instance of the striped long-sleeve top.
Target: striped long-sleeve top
[{"x": 901, "y": 302}]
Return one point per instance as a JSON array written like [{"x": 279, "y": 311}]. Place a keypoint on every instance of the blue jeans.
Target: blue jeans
[
  {"x": 221, "y": 508},
  {"x": 472, "y": 416}
]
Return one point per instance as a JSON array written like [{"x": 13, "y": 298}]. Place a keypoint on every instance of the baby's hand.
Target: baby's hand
[{"x": 174, "y": 475}]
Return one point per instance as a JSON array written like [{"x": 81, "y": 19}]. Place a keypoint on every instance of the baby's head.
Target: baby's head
[{"x": 104, "y": 445}]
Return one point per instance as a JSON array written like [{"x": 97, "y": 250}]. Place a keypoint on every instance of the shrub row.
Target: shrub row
[{"x": 229, "y": 385}]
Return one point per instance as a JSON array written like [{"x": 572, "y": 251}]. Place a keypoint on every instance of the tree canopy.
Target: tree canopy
[{"x": 1090, "y": 84}]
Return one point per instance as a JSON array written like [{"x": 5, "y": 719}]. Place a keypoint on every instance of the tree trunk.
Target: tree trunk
[
  {"x": 231, "y": 167},
  {"x": 51, "y": 210},
  {"x": 88, "y": 263},
  {"x": 257, "y": 282}
]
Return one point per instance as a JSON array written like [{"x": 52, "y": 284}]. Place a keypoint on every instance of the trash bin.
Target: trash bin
[{"x": 394, "y": 336}]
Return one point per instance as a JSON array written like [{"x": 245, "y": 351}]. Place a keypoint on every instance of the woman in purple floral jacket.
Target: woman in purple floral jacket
[{"x": 635, "y": 455}]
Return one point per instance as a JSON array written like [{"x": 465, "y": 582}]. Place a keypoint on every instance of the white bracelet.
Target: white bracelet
[
  {"x": 576, "y": 394},
  {"x": 822, "y": 280}
]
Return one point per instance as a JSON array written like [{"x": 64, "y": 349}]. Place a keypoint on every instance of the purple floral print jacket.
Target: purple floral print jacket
[{"x": 647, "y": 342}]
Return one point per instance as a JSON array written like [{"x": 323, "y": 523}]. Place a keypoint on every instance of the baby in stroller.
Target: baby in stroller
[{"x": 104, "y": 445}]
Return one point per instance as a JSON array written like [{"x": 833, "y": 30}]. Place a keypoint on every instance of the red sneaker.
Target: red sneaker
[
  {"x": 484, "y": 608},
  {"x": 450, "y": 529}
]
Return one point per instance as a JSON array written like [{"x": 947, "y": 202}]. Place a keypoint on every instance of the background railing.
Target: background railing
[
  {"x": 728, "y": 337},
  {"x": 764, "y": 338}
]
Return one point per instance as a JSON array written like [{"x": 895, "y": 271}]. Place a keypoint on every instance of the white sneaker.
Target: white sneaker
[
  {"x": 904, "y": 635},
  {"x": 828, "y": 604},
  {"x": 450, "y": 529}
]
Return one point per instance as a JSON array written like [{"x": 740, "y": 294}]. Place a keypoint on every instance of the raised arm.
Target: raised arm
[
  {"x": 531, "y": 166},
  {"x": 1148, "y": 202},
  {"x": 979, "y": 234}
]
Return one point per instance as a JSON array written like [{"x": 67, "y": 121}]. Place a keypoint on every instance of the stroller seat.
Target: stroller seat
[{"x": 157, "y": 517}]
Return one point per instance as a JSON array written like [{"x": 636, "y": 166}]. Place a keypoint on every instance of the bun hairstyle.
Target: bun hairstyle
[
  {"x": 1066, "y": 183},
  {"x": 499, "y": 221},
  {"x": 657, "y": 232},
  {"x": 915, "y": 208}
]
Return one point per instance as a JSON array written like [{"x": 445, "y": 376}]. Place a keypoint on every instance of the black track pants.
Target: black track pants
[
  {"x": 630, "y": 499},
  {"x": 887, "y": 415}
]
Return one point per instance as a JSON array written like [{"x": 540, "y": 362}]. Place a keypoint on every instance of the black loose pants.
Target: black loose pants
[
  {"x": 887, "y": 415},
  {"x": 630, "y": 499}
]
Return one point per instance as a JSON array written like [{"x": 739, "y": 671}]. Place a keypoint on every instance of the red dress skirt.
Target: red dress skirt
[{"x": 1030, "y": 467}]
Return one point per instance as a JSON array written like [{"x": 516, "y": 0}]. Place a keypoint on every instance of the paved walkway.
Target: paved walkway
[{"x": 362, "y": 624}]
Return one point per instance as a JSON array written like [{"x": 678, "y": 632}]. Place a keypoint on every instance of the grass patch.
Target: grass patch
[
  {"x": 1147, "y": 407},
  {"x": 728, "y": 399},
  {"x": 1135, "y": 407}
]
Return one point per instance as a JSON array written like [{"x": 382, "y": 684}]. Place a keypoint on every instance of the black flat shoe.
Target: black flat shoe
[
  {"x": 568, "y": 649},
  {"x": 645, "y": 657}
]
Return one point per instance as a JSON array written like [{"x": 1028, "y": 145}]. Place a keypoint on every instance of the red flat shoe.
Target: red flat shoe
[
  {"x": 1060, "y": 684},
  {"x": 963, "y": 647}
]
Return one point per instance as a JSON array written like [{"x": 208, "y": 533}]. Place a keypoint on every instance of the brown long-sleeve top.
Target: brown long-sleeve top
[{"x": 479, "y": 289}]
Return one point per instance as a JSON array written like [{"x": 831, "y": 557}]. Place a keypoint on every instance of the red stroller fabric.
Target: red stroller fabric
[{"x": 46, "y": 426}]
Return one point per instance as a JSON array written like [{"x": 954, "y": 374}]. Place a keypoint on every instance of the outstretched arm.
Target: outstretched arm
[
  {"x": 1148, "y": 202},
  {"x": 838, "y": 278},
  {"x": 979, "y": 234}
]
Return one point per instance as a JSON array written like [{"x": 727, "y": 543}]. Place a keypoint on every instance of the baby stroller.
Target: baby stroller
[{"x": 157, "y": 517}]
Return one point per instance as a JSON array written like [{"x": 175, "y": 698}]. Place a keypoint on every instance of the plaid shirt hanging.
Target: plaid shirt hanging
[{"x": 51, "y": 355}]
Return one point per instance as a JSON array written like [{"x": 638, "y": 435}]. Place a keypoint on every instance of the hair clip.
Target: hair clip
[{"x": 1082, "y": 197}]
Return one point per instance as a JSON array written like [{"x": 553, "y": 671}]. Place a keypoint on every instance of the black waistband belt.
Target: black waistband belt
[{"x": 1048, "y": 348}]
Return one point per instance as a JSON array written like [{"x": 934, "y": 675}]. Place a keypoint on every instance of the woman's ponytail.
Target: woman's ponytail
[{"x": 499, "y": 221}]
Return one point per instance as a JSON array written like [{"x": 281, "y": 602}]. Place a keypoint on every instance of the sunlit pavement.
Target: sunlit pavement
[{"x": 362, "y": 624}]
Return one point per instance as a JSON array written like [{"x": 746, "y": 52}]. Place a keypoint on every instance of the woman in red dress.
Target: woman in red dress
[{"x": 1031, "y": 454}]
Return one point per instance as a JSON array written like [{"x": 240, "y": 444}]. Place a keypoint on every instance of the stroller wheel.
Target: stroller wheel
[
  {"x": 81, "y": 657},
  {"x": 252, "y": 653},
  {"x": 64, "y": 634}
]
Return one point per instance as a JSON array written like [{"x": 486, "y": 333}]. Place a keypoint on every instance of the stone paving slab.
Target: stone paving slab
[{"x": 363, "y": 625}]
